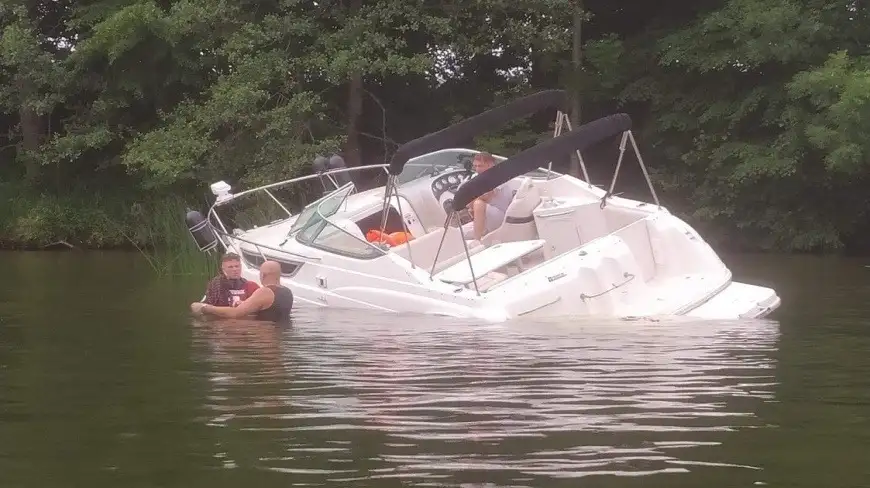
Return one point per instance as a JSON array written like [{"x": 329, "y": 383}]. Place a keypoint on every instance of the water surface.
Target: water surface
[{"x": 106, "y": 381}]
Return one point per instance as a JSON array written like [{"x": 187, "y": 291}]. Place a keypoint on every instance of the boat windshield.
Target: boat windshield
[
  {"x": 335, "y": 235},
  {"x": 307, "y": 216},
  {"x": 437, "y": 162}
]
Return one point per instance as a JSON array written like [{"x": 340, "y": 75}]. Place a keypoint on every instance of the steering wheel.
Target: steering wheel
[{"x": 446, "y": 185}]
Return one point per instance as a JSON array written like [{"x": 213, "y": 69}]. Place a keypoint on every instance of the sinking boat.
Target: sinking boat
[{"x": 565, "y": 247}]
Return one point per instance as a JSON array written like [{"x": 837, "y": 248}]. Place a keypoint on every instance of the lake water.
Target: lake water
[{"x": 106, "y": 381}]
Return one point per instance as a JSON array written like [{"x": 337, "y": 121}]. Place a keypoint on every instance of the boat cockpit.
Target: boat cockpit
[
  {"x": 358, "y": 224},
  {"x": 349, "y": 224}
]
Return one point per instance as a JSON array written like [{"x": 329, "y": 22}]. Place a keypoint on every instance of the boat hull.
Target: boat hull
[
  {"x": 653, "y": 265},
  {"x": 733, "y": 301}
]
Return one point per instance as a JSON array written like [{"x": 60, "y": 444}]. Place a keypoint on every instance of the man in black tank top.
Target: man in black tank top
[
  {"x": 271, "y": 302},
  {"x": 282, "y": 304}
]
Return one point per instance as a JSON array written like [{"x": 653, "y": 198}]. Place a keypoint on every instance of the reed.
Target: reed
[
  {"x": 153, "y": 226},
  {"x": 162, "y": 238},
  {"x": 165, "y": 242}
]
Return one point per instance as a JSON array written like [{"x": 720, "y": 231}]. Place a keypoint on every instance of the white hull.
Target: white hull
[
  {"x": 738, "y": 301},
  {"x": 735, "y": 301}
]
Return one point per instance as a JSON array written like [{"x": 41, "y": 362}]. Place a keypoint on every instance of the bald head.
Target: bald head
[{"x": 270, "y": 273}]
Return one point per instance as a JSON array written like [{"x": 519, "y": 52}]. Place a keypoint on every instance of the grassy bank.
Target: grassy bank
[{"x": 151, "y": 225}]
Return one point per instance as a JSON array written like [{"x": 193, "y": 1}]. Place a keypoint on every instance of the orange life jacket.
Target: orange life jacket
[{"x": 392, "y": 239}]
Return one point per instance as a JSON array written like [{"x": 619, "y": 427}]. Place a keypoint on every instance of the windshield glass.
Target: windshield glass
[
  {"x": 451, "y": 159},
  {"x": 308, "y": 216},
  {"x": 341, "y": 236},
  {"x": 435, "y": 163},
  {"x": 329, "y": 205}
]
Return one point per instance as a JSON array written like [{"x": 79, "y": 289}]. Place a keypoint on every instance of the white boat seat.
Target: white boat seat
[
  {"x": 489, "y": 260},
  {"x": 519, "y": 220},
  {"x": 424, "y": 248}
]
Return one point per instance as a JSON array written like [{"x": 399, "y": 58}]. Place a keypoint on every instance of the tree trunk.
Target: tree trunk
[
  {"x": 31, "y": 132},
  {"x": 352, "y": 152},
  {"x": 576, "y": 89}
]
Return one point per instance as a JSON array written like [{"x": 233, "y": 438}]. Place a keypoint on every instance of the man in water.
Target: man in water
[
  {"x": 229, "y": 289},
  {"x": 271, "y": 302},
  {"x": 488, "y": 209}
]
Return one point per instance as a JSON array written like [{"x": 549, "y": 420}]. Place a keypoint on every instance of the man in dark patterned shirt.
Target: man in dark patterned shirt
[{"x": 229, "y": 289}]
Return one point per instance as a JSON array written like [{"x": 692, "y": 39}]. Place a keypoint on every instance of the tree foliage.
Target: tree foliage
[{"x": 754, "y": 115}]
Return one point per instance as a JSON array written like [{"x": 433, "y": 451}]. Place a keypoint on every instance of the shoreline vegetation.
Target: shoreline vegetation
[
  {"x": 753, "y": 117},
  {"x": 154, "y": 228}
]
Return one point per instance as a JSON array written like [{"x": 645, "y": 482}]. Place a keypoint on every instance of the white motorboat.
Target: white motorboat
[{"x": 565, "y": 247}]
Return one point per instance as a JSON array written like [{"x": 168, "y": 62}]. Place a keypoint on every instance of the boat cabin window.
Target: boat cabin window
[{"x": 288, "y": 268}]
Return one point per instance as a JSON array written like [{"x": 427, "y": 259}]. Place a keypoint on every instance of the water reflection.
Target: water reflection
[{"x": 338, "y": 398}]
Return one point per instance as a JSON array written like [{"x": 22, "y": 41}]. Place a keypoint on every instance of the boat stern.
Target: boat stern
[{"x": 738, "y": 301}]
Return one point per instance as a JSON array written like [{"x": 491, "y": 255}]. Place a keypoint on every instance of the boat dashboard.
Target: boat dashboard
[{"x": 444, "y": 187}]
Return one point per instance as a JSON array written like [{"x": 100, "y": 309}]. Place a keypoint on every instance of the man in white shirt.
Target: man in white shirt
[{"x": 488, "y": 209}]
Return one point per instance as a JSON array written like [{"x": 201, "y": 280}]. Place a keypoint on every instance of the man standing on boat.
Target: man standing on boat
[
  {"x": 487, "y": 210},
  {"x": 229, "y": 289},
  {"x": 272, "y": 302}
]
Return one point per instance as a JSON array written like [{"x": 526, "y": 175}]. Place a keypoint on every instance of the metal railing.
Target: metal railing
[
  {"x": 304, "y": 178},
  {"x": 212, "y": 213}
]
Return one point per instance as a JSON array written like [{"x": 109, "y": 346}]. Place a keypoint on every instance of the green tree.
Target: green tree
[{"x": 744, "y": 123}]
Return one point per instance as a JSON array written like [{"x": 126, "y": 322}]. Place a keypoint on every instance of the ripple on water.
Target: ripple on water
[{"x": 333, "y": 400}]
